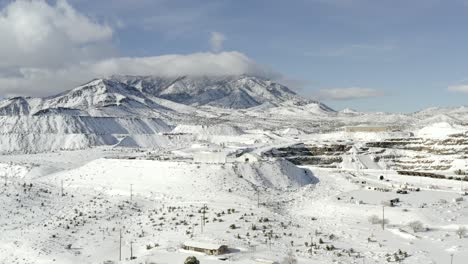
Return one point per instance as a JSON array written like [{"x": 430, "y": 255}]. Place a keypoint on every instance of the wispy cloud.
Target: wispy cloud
[
  {"x": 354, "y": 50},
  {"x": 348, "y": 93},
  {"x": 458, "y": 88},
  {"x": 217, "y": 40}
]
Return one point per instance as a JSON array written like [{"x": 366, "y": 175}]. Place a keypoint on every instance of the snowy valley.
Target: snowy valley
[{"x": 139, "y": 169}]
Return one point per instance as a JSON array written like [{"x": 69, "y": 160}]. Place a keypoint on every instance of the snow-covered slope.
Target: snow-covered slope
[
  {"x": 97, "y": 98},
  {"x": 62, "y": 132}
]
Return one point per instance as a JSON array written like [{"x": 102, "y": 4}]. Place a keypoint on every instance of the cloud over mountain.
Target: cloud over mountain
[{"x": 48, "y": 47}]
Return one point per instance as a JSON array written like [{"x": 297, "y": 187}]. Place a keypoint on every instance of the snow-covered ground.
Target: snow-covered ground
[
  {"x": 261, "y": 209},
  {"x": 136, "y": 166}
]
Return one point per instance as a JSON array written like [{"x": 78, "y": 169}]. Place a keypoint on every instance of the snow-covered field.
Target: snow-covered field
[{"x": 262, "y": 209}]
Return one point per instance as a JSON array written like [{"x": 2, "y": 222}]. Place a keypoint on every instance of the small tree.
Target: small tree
[
  {"x": 461, "y": 231},
  {"x": 191, "y": 260}
]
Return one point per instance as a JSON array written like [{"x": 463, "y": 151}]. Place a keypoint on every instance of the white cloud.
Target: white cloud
[
  {"x": 36, "y": 34},
  {"x": 458, "y": 88},
  {"x": 217, "y": 40},
  {"x": 348, "y": 93}
]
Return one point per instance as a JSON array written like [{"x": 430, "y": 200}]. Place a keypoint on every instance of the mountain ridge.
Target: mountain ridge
[{"x": 141, "y": 95}]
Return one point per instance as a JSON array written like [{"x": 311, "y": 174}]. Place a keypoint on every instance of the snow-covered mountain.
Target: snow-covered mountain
[
  {"x": 103, "y": 111},
  {"x": 149, "y": 95},
  {"x": 101, "y": 97},
  {"x": 226, "y": 92}
]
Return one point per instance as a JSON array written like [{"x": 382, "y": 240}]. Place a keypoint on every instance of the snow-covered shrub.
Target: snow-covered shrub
[
  {"x": 374, "y": 219},
  {"x": 461, "y": 231},
  {"x": 191, "y": 260},
  {"x": 417, "y": 226}
]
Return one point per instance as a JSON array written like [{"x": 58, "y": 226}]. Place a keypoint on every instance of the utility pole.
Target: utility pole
[
  {"x": 131, "y": 250},
  {"x": 6, "y": 180},
  {"x": 311, "y": 243},
  {"x": 201, "y": 224},
  {"x": 383, "y": 217},
  {"x": 269, "y": 240},
  {"x": 131, "y": 192},
  {"x": 204, "y": 212},
  {"x": 120, "y": 246},
  {"x": 61, "y": 188},
  {"x": 451, "y": 258},
  {"x": 258, "y": 197}
]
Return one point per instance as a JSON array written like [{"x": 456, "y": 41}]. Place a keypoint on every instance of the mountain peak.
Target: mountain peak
[{"x": 230, "y": 91}]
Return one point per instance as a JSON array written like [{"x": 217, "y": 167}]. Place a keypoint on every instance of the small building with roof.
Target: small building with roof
[{"x": 207, "y": 248}]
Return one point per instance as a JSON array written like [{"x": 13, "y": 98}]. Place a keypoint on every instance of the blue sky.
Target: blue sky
[{"x": 370, "y": 55}]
